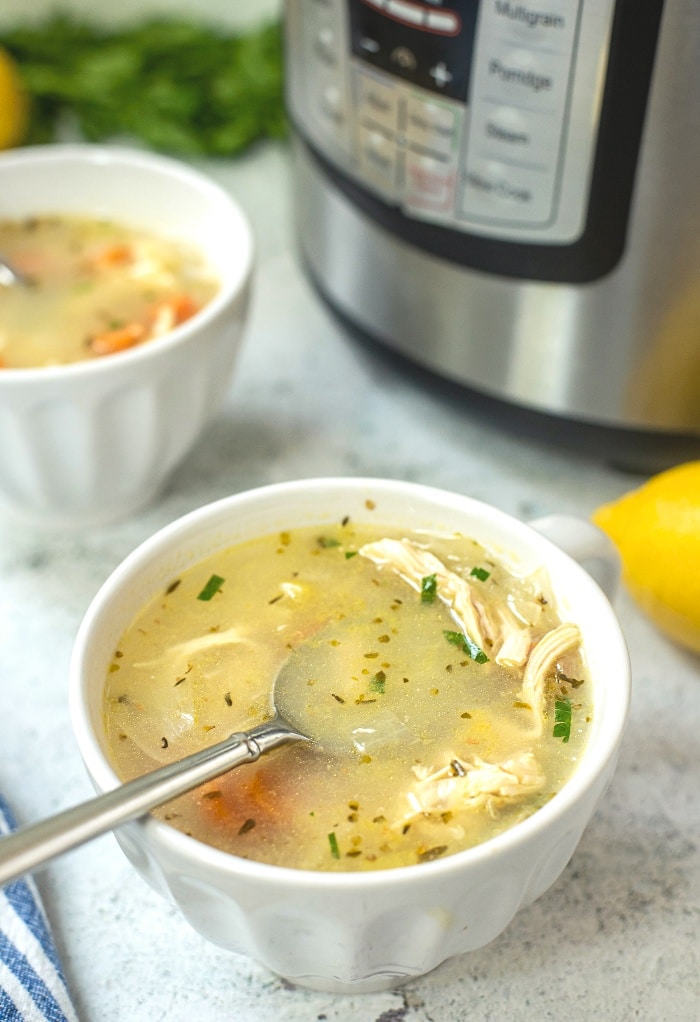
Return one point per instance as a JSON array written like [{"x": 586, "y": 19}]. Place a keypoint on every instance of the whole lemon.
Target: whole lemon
[
  {"x": 14, "y": 103},
  {"x": 656, "y": 529}
]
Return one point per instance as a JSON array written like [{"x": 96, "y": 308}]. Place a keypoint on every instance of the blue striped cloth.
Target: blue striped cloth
[{"x": 32, "y": 985}]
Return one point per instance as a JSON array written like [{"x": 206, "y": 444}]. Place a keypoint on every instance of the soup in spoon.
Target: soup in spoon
[{"x": 446, "y": 697}]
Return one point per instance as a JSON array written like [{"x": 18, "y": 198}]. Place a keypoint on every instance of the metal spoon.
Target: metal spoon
[
  {"x": 10, "y": 276},
  {"x": 41, "y": 842}
]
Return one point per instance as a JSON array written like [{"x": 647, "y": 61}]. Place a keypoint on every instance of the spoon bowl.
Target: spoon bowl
[
  {"x": 293, "y": 720},
  {"x": 38, "y": 844}
]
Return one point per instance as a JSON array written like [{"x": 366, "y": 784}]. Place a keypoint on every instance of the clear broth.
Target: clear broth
[{"x": 191, "y": 670}]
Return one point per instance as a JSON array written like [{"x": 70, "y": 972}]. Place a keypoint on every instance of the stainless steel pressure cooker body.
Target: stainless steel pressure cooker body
[{"x": 508, "y": 194}]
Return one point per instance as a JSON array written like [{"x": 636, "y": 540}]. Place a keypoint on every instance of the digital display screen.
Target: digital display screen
[{"x": 427, "y": 44}]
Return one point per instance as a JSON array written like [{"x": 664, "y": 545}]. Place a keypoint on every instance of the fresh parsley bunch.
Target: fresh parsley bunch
[{"x": 177, "y": 86}]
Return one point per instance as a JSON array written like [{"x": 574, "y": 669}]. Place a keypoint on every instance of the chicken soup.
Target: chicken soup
[
  {"x": 93, "y": 288},
  {"x": 449, "y": 698}
]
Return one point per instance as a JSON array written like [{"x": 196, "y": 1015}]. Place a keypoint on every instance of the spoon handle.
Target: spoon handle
[{"x": 37, "y": 844}]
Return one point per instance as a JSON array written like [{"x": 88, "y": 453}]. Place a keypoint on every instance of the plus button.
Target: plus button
[{"x": 440, "y": 75}]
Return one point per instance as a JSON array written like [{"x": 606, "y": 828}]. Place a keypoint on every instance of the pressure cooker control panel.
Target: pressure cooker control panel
[{"x": 478, "y": 115}]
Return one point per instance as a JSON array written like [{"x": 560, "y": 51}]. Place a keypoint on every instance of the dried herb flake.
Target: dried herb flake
[{"x": 378, "y": 683}]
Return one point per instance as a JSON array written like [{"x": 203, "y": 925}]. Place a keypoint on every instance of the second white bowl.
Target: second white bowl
[{"x": 90, "y": 442}]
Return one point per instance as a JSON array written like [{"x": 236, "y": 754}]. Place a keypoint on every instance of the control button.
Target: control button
[
  {"x": 554, "y": 26},
  {"x": 440, "y": 75},
  {"x": 331, "y": 107},
  {"x": 377, "y": 102},
  {"x": 499, "y": 193},
  {"x": 515, "y": 134},
  {"x": 410, "y": 14},
  {"x": 444, "y": 22},
  {"x": 404, "y": 58},
  {"x": 430, "y": 183},
  {"x": 377, "y": 156},
  {"x": 369, "y": 45},
  {"x": 430, "y": 125},
  {"x": 507, "y": 126},
  {"x": 521, "y": 71},
  {"x": 325, "y": 46}
]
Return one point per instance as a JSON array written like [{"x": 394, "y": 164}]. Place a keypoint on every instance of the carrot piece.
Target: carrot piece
[
  {"x": 118, "y": 254},
  {"x": 255, "y": 796},
  {"x": 119, "y": 339},
  {"x": 171, "y": 312}
]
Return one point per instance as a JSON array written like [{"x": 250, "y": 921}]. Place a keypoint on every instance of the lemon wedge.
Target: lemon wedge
[
  {"x": 14, "y": 103},
  {"x": 656, "y": 529}
]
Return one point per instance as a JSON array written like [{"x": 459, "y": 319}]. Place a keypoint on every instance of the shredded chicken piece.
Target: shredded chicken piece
[
  {"x": 548, "y": 650},
  {"x": 197, "y": 645},
  {"x": 474, "y": 784},
  {"x": 414, "y": 564},
  {"x": 488, "y": 630},
  {"x": 516, "y": 641}
]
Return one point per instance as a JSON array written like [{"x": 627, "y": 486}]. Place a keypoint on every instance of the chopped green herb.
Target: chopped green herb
[
  {"x": 481, "y": 573},
  {"x": 211, "y": 588},
  {"x": 428, "y": 589},
  {"x": 333, "y": 842},
  {"x": 245, "y": 827},
  {"x": 173, "y": 586},
  {"x": 467, "y": 645},
  {"x": 350, "y": 553},
  {"x": 327, "y": 542},
  {"x": 562, "y": 719},
  {"x": 378, "y": 682}
]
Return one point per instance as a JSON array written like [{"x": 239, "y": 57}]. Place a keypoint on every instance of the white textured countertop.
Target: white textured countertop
[{"x": 617, "y": 938}]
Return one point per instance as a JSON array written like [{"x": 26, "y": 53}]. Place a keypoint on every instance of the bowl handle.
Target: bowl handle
[{"x": 587, "y": 544}]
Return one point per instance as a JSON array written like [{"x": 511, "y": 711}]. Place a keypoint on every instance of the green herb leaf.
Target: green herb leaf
[
  {"x": 211, "y": 588},
  {"x": 350, "y": 553},
  {"x": 467, "y": 646},
  {"x": 378, "y": 683},
  {"x": 481, "y": 573},
  {"x": 328, "y": 542},
  {"x": 175, "y": 84},
  {"x": 428, "y": 589},
  {"x": 333, "y": 842},
  {"x": 562, "y": 719}
]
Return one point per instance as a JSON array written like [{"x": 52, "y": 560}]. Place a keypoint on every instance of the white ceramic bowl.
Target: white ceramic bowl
[
  {"x": 89, "y": 442},
  {"x": 346, "y": 932}
]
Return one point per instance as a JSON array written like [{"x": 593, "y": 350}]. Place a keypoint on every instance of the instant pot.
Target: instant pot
[{"x": 508, "y": 195}]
